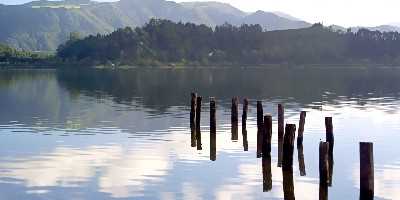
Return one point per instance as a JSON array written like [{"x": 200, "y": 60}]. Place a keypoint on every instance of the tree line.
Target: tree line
[
  {"x": 162, "y": 42},
  {"x": 11, "y": 56}
]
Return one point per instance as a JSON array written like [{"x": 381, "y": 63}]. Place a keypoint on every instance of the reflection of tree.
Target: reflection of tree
[{"x": 161, "y": 88}]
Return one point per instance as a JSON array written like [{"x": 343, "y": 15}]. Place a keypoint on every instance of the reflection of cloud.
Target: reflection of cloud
[
  {"x": 190, "y": 191},
  {"x": 127, "y": 174},
  {"x": 386, "y": 180},
  {"x": 122, "y": 174},
  {"x": 250, "y": 175},
  {"x": 64, "y": 167}
]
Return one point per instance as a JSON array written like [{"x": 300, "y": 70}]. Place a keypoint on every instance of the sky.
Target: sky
[{"x": 340, "y": 12}]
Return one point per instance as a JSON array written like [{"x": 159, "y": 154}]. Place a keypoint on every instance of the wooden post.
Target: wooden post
[
  {"x": 330, "y": 140},
  {"x": 244, "y": 124},
  {"x": 259, "y": 127},
  {"x": 323, "y": 170},
  {"x": 266, "y": 153},
  {"x": 234, "y": 119},
  {"x": 287, "y": 161},
  {"x": 198, "y": 117},
  {"x": 192, "y": 119},
  {"x": 302, "y": 122},
  {"x": 213, "y": 130},
  {"x": 329, "y": 133},
  {"x": 288, "y": 146},
  {"x": 366, "y": 171},
  {"x": 281, "y": 133}
]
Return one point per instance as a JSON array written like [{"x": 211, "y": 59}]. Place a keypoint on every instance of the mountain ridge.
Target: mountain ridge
[{"x": 43, "y": 25}]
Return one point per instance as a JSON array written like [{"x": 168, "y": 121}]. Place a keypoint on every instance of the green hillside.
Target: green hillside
[{"x": 43, "y": 25}]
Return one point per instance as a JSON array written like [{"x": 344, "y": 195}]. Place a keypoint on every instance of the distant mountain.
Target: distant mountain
[
  {"x": 382, "y": 28},
  {"x": 271, "y": 21},
  {"x": 43, "y": 25},
  {"x": 287, "y": 16}
]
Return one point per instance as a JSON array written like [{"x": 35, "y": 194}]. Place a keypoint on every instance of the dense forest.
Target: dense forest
[{"x": 163, "y": 41}]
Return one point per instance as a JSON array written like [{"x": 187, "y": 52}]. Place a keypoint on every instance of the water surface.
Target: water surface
[{"x": 109, "y": 134}]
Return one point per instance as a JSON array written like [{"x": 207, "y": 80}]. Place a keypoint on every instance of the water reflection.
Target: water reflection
[{"x": 98, "y": 134}]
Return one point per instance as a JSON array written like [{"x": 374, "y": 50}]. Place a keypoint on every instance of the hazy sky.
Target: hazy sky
[{"x": 341, "y": 12}]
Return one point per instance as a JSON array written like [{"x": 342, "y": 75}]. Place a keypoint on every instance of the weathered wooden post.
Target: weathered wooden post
[
  {"x": 288, "y": 146},
  {"x": 260, "y": 126},
  {"x": 281, "y": 132},
  {"x": 287, "y": 161},
  {"x": 198, "y": 117},
  {"x": 366, "y": 171},
  {"x": 302, "y": 122},
  {"x": 323, "y": 170},
  {"x": 213, "y": 130},
  {"x": 234, "y": 118},
  {"x": 266, "y": 153},
  {"x": 192, "y": 119},
  {"x": 329, "y": 133},
  {"x": 330, "y": 140},
  {"x": 244, "y": 124}
]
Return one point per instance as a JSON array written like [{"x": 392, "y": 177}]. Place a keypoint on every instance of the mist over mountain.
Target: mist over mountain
[{"x": 43, "y": 25}]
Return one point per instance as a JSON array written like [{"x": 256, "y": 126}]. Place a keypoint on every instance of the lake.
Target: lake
[{"x": 125, "y": 134}]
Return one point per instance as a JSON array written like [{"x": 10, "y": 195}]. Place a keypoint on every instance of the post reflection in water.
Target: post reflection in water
[
  {"x": 288, "y": 184},
  {"x": 193, "y": 120},
  {"x": 244, "y": 124},
  {"x": 198, "y": 117},
  {"x": 234, "y": 119},
  {"x": 267, "y": 173},
  {"x": 300, "y": 155}
]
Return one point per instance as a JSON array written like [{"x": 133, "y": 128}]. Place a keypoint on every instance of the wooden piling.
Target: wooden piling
[
  {"x": 330, "y": 140},
  {"x": 323, "y": 170},
  {"x": 302, "y": 122},
  {"x": 266, "y": 153},
  {"x": 234, "y": 110},
  {"x": 260, "y": 126},
  {"x": 329, "y": 133},
  {"x": 244, "y": 124},
  {"x": 192, "y": 120},
  {"x": 213, "y": 130},
  {"x": 366, "y": 171},
  {"x": 234, "y": 119},
  {"x": 288, "y": 146},
  {"x": 281, "y": 133},
  {"x": 198, "y": 117}
]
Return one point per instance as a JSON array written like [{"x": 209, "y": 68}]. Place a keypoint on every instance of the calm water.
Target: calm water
[{"x": 100, "y": 134}]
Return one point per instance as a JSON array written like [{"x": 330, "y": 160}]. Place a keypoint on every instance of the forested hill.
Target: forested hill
[
  {"x": 164, "y": 41},
  {"x": 43, "y": 25}
]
